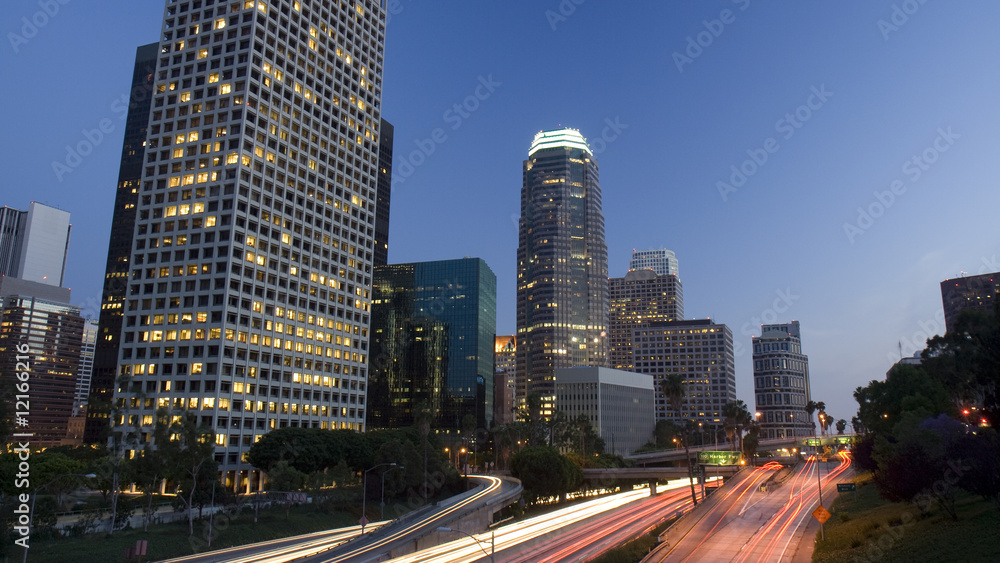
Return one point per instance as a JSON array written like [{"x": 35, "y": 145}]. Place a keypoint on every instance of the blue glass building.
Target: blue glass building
[{"x": 432, "y": 336}]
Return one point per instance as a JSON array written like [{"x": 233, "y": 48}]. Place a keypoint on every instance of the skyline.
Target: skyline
[{"x": 875, "y": 98}]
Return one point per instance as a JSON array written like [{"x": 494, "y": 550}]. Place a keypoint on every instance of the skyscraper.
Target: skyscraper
[
  {"x": 504, "y": 378},
  {"x": 562, "y": 264},
  {"x": 33, "y": 243},
  {"x": 642, "y": 296},
  {"x": 117, "y": 266},
  {"x": 661, "y": 261},
  {"x": 970, "y": 292},
  {"x": 781, "y": 381},
  {"x": 383, "y": 194},
  {"x": 250, "y": 269},
  {"x": 433, "y": 334},
  {"x": 701, "y": 352}
]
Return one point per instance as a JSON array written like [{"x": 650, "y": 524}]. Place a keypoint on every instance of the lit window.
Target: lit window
[{"x": 213, "y": 78}]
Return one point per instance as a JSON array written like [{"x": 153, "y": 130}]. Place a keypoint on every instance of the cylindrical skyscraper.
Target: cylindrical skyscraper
[{"x": 562, "y": 264}]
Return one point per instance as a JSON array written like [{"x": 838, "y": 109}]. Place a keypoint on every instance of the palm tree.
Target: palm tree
[
  {"x": 810, "y": 409},
  {"x": 821, "y": 413},
  {"x": 736, "y": 418},
  {"x": 841, "y": 426},
  {"x": 673, "y": 389}
]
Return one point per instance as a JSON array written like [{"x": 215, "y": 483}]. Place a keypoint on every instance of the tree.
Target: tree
[
  {"x": 673, "y": 389},
  {"x": 821, "y": 408},
  {"x": 188, "y": 452},
  {"x": 736, "y": 417},
  {"x": 285, "y": 478},
  {"x": 544, "y": 472},
  {"x": 841, "y": 426},
  {"x": 979, "y": 453},
  {"x": 906, "y": 388},
  {"x": 665, "y": 432},
  {"x": 811, "y": 407}
]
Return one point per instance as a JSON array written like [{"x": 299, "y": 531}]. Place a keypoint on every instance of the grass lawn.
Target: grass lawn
[
  {"x": 864, "y": 527},
  {"x": 171, "y": 539}
]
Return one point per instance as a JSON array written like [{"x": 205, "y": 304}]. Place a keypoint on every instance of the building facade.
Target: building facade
[
  {"x": 433, "y": 332},
  {"x": 661, "y": 261},
  {"x": 642, "y": 296},
  {"x": 504, "y": 379},
  {"x": 781, "y": 381},
  {"x": 117, "y": 266},
  {"x": 971, "y": 292},
  {"x": 49, "y": 334},
  {"x": 701, "y": 352},
  {"x": 251, "y": 262},
  {"x": 33, "y": 243},
  {"x": 383, "y": 195},
  {"x": 562, "y": 264},
  {"x": 619, "y": 404}
]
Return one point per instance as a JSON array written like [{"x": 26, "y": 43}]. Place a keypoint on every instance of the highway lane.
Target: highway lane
[
  {"x": 378, "y": 545},
  {"x": 777, "y": 540},
  {"x": 509, "y": 540},
  {"x": 281, "y": 549},
  {"x": 713, "y": 517}
]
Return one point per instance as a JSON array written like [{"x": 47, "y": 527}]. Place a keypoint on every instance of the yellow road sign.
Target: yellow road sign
[{"x": 821, "y": 514}]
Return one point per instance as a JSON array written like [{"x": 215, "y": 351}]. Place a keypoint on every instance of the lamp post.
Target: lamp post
[
  {"x": 819, "y": 484},
  {"x": 34, "y": 494},
  {"x": 493, "y": 544},
  {"x": 381, "y": 513},
  {"x": 364, "y": 495}
]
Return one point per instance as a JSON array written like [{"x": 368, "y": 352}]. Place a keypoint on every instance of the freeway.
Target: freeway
[
  {"x": 379, "y": 545},
  {"x": 274, "y": 551},
  {"x": 557, "y": 535},
  {"x": 754, "y": 523}
]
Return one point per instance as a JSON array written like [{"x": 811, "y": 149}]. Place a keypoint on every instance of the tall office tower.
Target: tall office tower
[
  {"x": 781, "y": 381},
  {"x": 250, "y": 276},
  {"x": 383, "y": 193},
  {"x": 504, "y": 378},
  {"x": 642, "y": 296},
  {"x": 117, "y": 267},
  {"x": 701, "y": 351},
  {"x": 971, "y": 292},
  {"x": 85, "y": 375},
  {"x": 661, "y": 261},
  {"x": 51, "y": 331},
  {"x": 433, "y": 331},
  {"x": 562, "y": 264},
  {"x": 33, "y": 243}
]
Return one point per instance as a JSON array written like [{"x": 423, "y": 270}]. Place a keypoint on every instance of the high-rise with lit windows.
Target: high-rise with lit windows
[
  {"x": 642, "y": 296},
  {"x": 660, "y": 260},
  {"x": 781, "y": 381},
  {"x": 251, "y": 263},
  {"x": 562, "y": 264},
  {"x": 117, "y": 267}
]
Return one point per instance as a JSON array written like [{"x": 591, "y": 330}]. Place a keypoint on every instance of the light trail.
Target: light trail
[
  {"x": 314, "y": 543},
  {"x": 467, "y": 550},
  {"x": 495, "y": 484}
]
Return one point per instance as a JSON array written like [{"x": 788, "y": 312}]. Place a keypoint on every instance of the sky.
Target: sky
[{"x": 829, "y": 163}]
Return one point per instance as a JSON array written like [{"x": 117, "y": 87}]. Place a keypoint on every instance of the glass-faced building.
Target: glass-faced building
[
  {"x": 660, "y": 260},
  {"x": 562, "y": 264},
  {"x": 433, "y": 335}
]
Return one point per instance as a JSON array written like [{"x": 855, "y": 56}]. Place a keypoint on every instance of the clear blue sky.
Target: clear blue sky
[{"x": 890, "y": 93}]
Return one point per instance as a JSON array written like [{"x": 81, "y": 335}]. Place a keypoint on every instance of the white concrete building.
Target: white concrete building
[{"x": 618, "y": 403}]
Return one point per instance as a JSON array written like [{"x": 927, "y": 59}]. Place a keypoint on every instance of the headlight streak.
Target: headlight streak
[
  {"x": 316, "y": 542},
  {"x": 465, "y": 550}
]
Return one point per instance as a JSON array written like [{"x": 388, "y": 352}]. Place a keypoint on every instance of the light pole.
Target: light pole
[
  {"x": 819, "y": 484},
  {"x": 381, "y": 513},
  {"x": 364, "y": 495},
  {"x": 34, "y": 494},
  {"x": 493, "y": 538}
]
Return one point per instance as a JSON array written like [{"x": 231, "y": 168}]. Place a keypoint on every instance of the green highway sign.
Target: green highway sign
[
  {"x": 719, "y": 458},
  {"x": 846, "y": 487},
  {"x": 814, "y": 442},
  {"x": 843, "y": 439}
]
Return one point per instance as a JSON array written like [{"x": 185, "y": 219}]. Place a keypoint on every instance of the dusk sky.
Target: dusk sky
[{"x": 878, "y": 121}]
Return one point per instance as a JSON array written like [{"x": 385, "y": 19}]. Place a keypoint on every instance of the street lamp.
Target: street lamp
[
  {"x": 364, "y": 495},
  {"x": 381, "y": 513},
  {"x": 34, "y": 494},
  {"x": 493, "y": 538}
]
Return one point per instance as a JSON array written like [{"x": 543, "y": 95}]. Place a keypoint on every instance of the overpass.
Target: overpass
[
  {"x": 653, "y": 474},
  {"x": 790, "y": 444}
]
